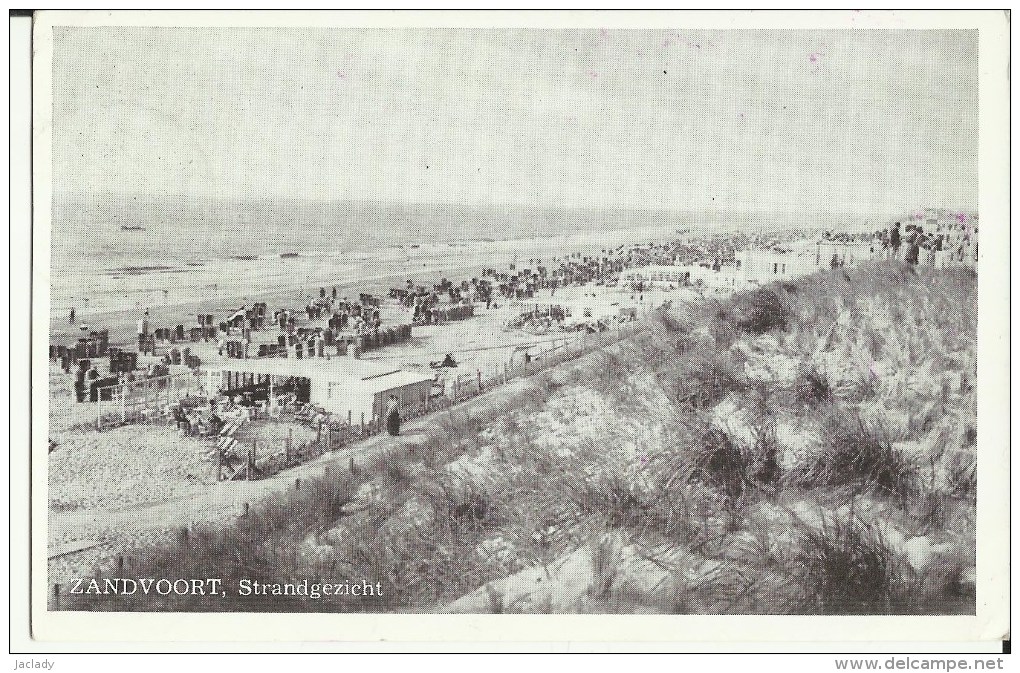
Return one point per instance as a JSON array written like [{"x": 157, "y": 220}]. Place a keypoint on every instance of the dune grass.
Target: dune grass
[{"x": 883, "y": 391}]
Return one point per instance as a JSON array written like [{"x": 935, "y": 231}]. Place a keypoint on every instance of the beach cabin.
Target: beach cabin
[
  {"x": 338, "y": 385},
  {"x": 848, "y": 253},
  {"x": 725, "y": 277},
  {"x": 651, "y": 274},
  {"x": 765, "y": 266}
]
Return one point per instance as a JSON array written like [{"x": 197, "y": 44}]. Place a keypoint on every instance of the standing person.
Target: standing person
[
  {"x": 895, "y": 240},
  {"x": 79, "y": 382},
  {"x": 70, "y": 319},
  {"x": 91, "y": 378},
  {"x": 393, "y": 416},
  {"x": 940, "y": 254},
  {"x": 914, "y": 246}
]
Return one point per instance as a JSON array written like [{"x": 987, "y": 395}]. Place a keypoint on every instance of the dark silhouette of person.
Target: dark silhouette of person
[{"x": 393, "y": 416}]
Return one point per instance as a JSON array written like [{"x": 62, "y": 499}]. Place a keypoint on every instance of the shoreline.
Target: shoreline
[{"x": 121, "y": 322}]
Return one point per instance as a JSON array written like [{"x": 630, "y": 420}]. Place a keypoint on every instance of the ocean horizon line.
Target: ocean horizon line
[{"x": 64, "y": 197}]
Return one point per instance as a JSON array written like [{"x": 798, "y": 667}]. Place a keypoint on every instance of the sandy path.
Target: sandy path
[
  {"x": 116, "y": 531},
  {"x": 143, "y": 518}
]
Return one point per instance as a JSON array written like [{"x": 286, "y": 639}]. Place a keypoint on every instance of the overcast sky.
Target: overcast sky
[{"x": 857, "y": 121}]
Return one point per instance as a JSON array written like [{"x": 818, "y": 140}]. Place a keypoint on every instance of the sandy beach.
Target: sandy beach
[
  {"x": 175, "y": 291},
  {"x": 136, "y": 471}
]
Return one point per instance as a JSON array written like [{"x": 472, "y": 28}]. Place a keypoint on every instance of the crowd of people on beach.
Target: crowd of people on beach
[
  {"x": 354, "y": 325},
  {"x": 939, "y": 246},
  {"x": 575, "y": 269},
  {"x": 205, "y": 417}
]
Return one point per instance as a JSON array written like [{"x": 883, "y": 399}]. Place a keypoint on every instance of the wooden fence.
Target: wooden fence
[
  {"x": 144, "y": 399},
  {"x": 250, "y": 460}
]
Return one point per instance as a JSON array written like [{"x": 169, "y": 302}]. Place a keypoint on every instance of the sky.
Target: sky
[{"x": 761, "y": 121}]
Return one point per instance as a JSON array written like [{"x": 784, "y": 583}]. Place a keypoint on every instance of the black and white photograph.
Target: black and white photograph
[{"x": 520, "y": 319}]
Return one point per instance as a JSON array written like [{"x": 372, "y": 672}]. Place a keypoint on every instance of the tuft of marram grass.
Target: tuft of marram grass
[
  {"x": 858, "y": 455},
  {"x": 848, "y": 566}
]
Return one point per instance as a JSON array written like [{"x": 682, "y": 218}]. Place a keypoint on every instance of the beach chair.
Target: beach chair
[{"x": 231, "y": 462}]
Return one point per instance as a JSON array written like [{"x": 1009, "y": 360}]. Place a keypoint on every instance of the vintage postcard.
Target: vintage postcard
[{"x": 520, "y": 326}]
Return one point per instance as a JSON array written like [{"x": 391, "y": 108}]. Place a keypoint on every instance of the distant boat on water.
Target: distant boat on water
[
  {"x": 286, "y": 255},
  {"x": 132, "y": 227}
]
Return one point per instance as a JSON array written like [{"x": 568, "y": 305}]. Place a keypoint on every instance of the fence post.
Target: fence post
[
  {"x": 479, "y": 380},
  {"x": 362, "y": 423}
]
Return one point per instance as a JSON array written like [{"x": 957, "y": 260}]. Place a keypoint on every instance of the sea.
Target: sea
[{"x": 127, "y": 252}]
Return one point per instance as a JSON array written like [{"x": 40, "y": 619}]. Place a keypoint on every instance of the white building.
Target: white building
[
  {"x": 662, "y": 274},
  {"x": 339, "y": 385},
  {"x": 695, "y": 274},
  {"x": 764, "y": 266}
]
